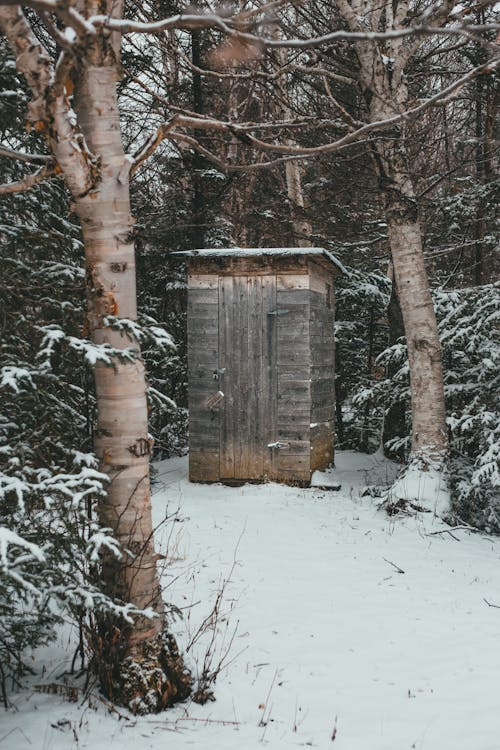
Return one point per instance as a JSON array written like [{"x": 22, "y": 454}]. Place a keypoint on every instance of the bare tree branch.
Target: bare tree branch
[
  {"x": 29, "y": 181},
  {"x": 28, "y": 158},
  {"x": 355, "y": 136}
]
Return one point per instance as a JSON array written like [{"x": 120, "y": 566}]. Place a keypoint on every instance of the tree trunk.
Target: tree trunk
[
  {"x": 394, "y": 418},
  {"x": 301, "y": 226},
  {"x": 383, "y": 84},
  {"x": 134, "y": 662},
  {"x": 429, "y": 443},
  {"x": 429, "y": 437},
  {"x": 137, "y": 663}
]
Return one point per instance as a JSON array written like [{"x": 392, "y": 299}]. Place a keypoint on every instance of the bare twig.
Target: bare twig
[
  {"x": 443, "y": 531},
  {"x": 400, "y": 570},
  {"x": 28, "y": 158},
  {"x": 495, "y": 606}
]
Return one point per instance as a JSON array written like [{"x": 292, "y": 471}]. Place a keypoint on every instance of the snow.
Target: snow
[
  {"x": 426, "y": 489},
  {"x": 344, "y": 617},
  {"x": 9, "y": 538},
  {"x": 252, "y": 252},
  {"x": 11, "y": 377}
]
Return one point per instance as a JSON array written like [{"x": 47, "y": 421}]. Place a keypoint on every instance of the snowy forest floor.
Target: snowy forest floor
[{"x": 350, "y": 630}]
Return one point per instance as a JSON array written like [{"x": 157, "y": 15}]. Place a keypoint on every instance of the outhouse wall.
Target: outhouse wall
[
  {"x": 322, "y": 340},
  {"x": 260, "y": 357}
]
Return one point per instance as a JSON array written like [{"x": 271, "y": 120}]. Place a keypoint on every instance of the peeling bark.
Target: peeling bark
[
  {"x": 122, "y": 441},
  {"x": 137, "y": 663}
]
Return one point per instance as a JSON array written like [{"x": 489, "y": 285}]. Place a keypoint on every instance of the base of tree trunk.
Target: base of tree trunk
[
  {"x": 422, "y": 486},
  {"x": 146, "y": 681}
]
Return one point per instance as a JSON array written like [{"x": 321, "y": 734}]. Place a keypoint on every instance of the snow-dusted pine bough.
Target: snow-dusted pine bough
[{"x": 469, "y": 333}]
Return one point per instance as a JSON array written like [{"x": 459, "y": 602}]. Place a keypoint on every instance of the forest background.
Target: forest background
[{"x": 199, "y": 181}]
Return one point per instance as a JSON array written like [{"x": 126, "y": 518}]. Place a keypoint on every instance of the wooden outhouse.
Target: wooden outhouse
[{"x": 261, "y": 363}]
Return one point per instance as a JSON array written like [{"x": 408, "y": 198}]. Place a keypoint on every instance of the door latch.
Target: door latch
[
  {"x": 277, "y": 445},
  {"x": 278, "y": 312},
  {"x": 218, "y": 373}
]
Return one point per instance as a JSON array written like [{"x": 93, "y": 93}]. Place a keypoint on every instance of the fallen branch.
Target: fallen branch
[
  {"x": 443, "y": 531},
  {"x": 400, "y": 570},
  {"x": 495, "y": 606}
]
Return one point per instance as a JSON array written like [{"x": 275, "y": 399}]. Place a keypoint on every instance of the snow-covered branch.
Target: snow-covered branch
[
  {"x": 28, "y": 158},
  {"x": 29, "y": 180}
]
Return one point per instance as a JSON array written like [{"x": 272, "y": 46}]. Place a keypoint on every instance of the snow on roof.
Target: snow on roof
[{"x": 254, "y": 252}]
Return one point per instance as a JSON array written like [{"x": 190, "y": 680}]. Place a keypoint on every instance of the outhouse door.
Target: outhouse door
[{"x": 247, "y": 375}]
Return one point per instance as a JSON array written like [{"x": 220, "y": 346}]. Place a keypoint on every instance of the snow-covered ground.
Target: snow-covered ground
[{"x": 349, "y": 629}]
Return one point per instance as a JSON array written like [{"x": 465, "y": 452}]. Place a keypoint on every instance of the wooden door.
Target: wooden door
[{"x": 247, "y": 375}]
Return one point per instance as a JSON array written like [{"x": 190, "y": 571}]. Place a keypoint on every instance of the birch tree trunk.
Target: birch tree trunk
[
  {"x": 429, "y": 438},
  {"x": 137, "y": 663},
  {"x": 382, "y": 81}
]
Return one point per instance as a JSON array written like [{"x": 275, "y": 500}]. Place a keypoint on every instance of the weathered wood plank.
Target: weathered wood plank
[
  {"x": 199, "y": 313},
  {"x": 203, "y": 343},
  {"x": 322, "y": 352},
  {"x": 290, "y": 358},
  {"x": 258, "y": 395},
  {"x": 203, "y": 466},
  {"x": 226, "y": 362},
  {"x": 299, "y": 393},
  {"x": 292, "y": 281},
  {"x": 201, "y": 441},
  {"x": 292, "y": 345},
  {"x": 293, "y": 297},
  {"x": 207, "y": 358},
  {"x": 318, "y": 316},
  {"x": 299, "y": 371},
  {"x": 288, "y": 415},
  {"x": 289, "y": 334},
  {"x": 269, "y": 372},
  {"x": 323, "y": 387},
  {"x": 320, "y": 371},
  {"x": 203, "y": 297},
  {"x": 322, "y": 445},
  {"x": 203, "y": 281},
  {"x": 324, "y": 413},
  {"x": 263, "y": 265},
  {"x": 239, "y": 349},
  {"x": 297, "y": 463},
  {"x": 296, "y": 432}
]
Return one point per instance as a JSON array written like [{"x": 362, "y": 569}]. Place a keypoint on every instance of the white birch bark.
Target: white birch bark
[
  {"x": 136, "y": 665},
  {"x": 382, "y": 81}
]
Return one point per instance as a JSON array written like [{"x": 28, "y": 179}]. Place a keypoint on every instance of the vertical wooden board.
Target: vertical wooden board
[
  {"x": 269, "y": 373},
  {"x": 293, "y": 389},
  {"x": 322, "y": 445},
  {"x": 226, "y": 379},
  {"x": 239, "y": 349},
  {"x": 255, "y": 400},
  {"x": 202, "y": 362},
  {"x": 323, "y": 366}
]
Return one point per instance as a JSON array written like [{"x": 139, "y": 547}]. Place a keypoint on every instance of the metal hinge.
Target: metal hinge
[
  {"x": 278, "y": 312},
  {"x": 278, "y": 444}
]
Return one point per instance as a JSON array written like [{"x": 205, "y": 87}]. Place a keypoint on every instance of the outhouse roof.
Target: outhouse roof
[{"x": 257, "y": 252}]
